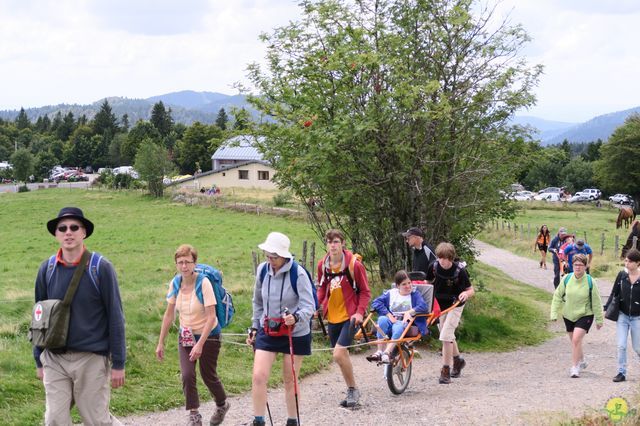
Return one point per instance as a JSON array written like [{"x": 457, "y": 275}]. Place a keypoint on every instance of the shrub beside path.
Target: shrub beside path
[{"x": 529, "y": 386}]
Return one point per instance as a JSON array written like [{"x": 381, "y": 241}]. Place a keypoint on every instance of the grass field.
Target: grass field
[
  {"x": 596, "y": 225},
  {"x": 139, "y": 235}
]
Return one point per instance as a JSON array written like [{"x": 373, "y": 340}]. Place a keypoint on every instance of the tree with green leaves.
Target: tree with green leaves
[
  {"x": 161, "y": 119},
  {"x": 43, "y": 163},
  {"x": 617, "y": 170},
  {"x": 194, "y": 147},
  {"x": 242, "y": 118},
  {"x": 222, "y": 119},
  {"x": 22, "y": 121},
  {"x": 545, "y": 168},
  {"x": 105, "y": 122},
  {"x": 153, "y": 163},
  {"x": 124, "y": 123},
  {"x": 141, "y": 131},
  {"x": 22, "y": 161},
  {"x": 393, "y": 114},
  {"x": 577, "y": 174},
  {"x": 66, "y": 127}
]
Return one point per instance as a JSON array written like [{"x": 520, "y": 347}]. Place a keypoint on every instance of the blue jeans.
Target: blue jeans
[
  {"x": 395, "y": 329},
  {"x": 626, "y": 324}
]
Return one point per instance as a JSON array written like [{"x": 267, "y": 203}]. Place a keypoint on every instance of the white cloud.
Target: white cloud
[{"x": 79, "y": 51}]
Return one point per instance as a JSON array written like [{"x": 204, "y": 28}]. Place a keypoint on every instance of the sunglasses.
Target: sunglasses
[{"x": 73, "y": 228}]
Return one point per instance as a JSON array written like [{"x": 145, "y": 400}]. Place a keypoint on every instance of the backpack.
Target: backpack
[
  {"x": 94, "y": 268},
  {"x": 456, "y": 273},
  {"x": 589, "y": 280},
  {"x": 224, "y": 302},
  {"x": 348, "y": 271},
  {"x": 293, "y": 274}
]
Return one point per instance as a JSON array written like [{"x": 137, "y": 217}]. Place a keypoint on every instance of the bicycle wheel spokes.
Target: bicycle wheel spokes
[{"x": 398, "y": 374}]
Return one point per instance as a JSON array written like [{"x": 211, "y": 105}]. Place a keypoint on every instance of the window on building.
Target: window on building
[
  {"x": 263, "y": 175},
  {"x": 243, "y": 174}
]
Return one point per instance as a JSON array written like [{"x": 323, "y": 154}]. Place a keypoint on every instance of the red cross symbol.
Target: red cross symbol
[{"x": 38, "y": 312}]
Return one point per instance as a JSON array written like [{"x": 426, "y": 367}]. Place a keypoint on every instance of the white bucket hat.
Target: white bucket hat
[{"x": 277, "y": 243}]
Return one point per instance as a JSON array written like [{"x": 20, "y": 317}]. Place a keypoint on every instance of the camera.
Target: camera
[{"x": 274, "y": 325}]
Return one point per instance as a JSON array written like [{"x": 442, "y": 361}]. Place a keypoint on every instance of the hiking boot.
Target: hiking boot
[
  {"x": 619, "y": 378},
  {"x": 575, "y": 371},
  {"x": 292, "y": 422},
  {"x": 195, "y": 419},
  {"x": 385, "y": 358},
  {"x": 445, "y": 375},
  {"x": 352, "y": 399},
  {"x": 458, "y": 365},
  {"x": 218, "y": 415}
]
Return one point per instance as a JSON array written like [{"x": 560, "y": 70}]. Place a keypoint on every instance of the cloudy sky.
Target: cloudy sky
[{"x": 79, "y": 51}]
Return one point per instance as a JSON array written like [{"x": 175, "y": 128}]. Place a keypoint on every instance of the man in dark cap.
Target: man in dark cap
[
  {"x": 423, "y": 254},
  {"x": 578, "y": 247},
  {"x": 83, "y": 372}
]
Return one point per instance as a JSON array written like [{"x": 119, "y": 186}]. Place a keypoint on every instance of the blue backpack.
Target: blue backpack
[
  {"x": 94, "y": 268},
  {"x": 224, "y": 302},
  {"x": 293, "y": 273}
]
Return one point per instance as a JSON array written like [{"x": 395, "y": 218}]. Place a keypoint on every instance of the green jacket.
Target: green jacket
[{"x": 576, "y": 300}]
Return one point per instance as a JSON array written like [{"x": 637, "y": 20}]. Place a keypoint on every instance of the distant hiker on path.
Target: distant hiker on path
[{"x": 542, "y": 244}]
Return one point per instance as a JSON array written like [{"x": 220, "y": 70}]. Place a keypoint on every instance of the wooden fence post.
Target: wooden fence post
[
  {"x": 303, "y": 260},
  {"x": 602, "y": 244},
  {"x": 509, "y": 226},
  {"x": 503, "y": 225},
  {"x": 312, "y": 263},
  {"x": 617, "y": 245},
  {"x": 585, "y": 237},
  {"x": 254, "y": 255}
]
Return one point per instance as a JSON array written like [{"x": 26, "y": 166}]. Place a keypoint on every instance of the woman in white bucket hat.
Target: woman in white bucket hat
[{"x": 279, "y": 308}]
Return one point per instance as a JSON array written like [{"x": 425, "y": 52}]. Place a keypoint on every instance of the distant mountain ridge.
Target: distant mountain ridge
[
  {"x": 600, "y": 127},
  {"x": 186, "y": 106}
]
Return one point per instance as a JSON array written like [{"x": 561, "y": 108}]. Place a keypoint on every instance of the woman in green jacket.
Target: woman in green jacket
[{"x": 581, "y": 298}]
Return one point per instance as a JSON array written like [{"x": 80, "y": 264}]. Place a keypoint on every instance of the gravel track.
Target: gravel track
[{"x": 529, "y": 386}]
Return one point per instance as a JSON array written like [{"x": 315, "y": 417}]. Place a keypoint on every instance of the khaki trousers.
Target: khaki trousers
[{"x": 80, "y": 378}]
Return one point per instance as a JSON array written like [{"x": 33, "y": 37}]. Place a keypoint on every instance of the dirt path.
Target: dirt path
[{"x": 525, "y": 387}]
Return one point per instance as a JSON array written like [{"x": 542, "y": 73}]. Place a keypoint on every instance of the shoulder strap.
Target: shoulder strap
[
  {"x": 263, "y": 271},
  {"x": 566, "y": 278},
  {"x": 198, "y": 287},
  {"x": 51, "y": 266},
  {"x": 75, "y": 280},
  {"x": 293, "y": 276},
  {"x": 94, "y": 268}
]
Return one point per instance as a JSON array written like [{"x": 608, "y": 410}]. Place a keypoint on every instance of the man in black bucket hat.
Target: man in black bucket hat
[{"x": 83, "y": 372}]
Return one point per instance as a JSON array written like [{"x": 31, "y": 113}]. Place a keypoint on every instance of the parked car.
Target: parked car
[
  {"x": 579, "y": 198},
  {"x": 128, "y": 170},
  {"x": 548, "y": 196},
  {"x": 592, "y": 193},
  {"x": 522, "y": 196},
  {"x": 550, "y": 189},
  {"x": 621, "y": 199}
]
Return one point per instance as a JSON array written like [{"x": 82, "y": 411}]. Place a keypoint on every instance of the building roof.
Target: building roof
[{"x": 239, "y": 148}]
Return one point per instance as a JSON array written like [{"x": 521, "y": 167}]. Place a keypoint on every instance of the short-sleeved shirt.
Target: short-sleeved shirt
[
  {"x": 191, "y": 311},
  {"x": 445, "y": 287},
  {"x": 399, "y": 304},
  {"x": 337, "y": 310}
]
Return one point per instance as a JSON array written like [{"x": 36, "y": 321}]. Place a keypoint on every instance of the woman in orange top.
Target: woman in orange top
[{"x": 542, "y": 244}]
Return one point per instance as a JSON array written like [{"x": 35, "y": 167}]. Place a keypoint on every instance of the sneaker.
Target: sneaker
[
  {"x": 583, "y": 364},
  {"x": 619, "y": 378},
  {"x": 352, "y": 399},
  {"x": 195, "y": 419},
  {"x": 385, "y": 358},
  {"x": 575, "y": 371},
  {"x": 258, "y": 423},
  {"x": 218, "y": 415}
]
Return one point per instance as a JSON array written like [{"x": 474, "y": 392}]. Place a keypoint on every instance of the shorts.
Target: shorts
[
  {"x": 583, "y": 322},
  {"x": 448, "y": 324},
  {"x": 542, "y": 247},
  {"x": 341, "y": 333},
  {"x": 301, "y": 345}
]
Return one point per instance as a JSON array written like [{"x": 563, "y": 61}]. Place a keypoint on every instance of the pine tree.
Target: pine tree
[
  {"x": 22, "y": 121},
  {"x": 222, "y": 119}
]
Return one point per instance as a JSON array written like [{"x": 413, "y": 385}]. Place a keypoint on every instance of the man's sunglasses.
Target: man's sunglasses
[{"x": 73, "y": 228}]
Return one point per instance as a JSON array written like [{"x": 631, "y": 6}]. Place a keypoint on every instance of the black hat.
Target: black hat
[
  {"x": 580, "y": 243},
  {"x": 70, "y": 213},
  {"x": 413, "y": 231}
]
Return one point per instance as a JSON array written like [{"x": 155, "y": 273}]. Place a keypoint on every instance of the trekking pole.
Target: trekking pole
[
  {"x": 324, "y": 330},
  {"x": 253, "y": 345},
  {"x": 293, "y": 368}
]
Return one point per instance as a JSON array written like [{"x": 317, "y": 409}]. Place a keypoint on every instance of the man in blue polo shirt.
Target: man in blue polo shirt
[{"x": 578, "y": 247}]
